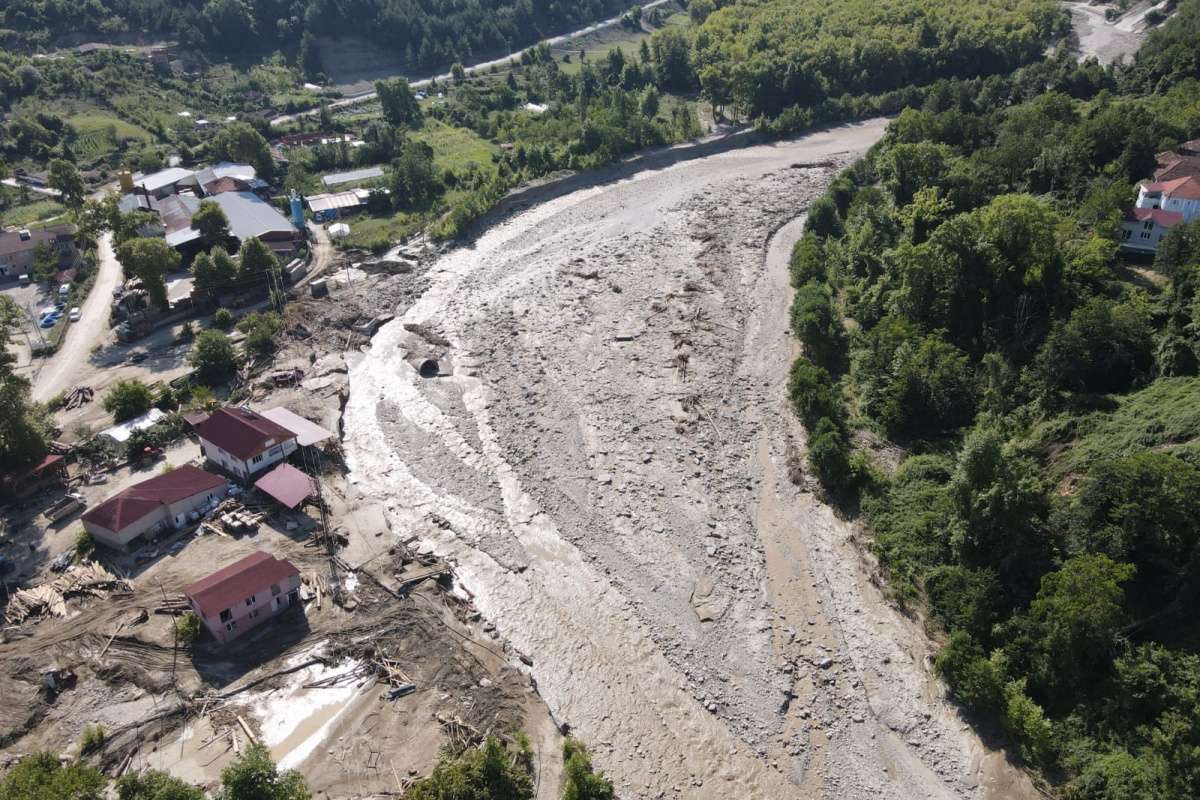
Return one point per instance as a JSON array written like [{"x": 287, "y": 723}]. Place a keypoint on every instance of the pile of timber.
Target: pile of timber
[
  {"x": 79, "y": 396},
  {"x": 81, "y": 580}
]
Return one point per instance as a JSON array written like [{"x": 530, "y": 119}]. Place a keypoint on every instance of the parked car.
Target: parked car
[
  {"x": 49, "y": 322},
  {"x": 75, "y": 314},
  {"x": 64, "y": 290}
]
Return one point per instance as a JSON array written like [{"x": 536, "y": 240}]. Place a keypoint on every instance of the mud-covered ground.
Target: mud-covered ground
[{"x": 608, "y": 439}]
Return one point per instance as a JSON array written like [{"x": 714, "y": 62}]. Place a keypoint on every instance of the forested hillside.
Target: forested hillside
[
  {"x": 962, "y": 300},
  {"x": 762, "y": 56},
  {"x": 428, "y": 32}
]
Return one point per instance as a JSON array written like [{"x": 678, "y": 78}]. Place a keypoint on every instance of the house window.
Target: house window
[
  {"x": 230, "y": 626},
  {"x": 250, "y": 600},
  {"x": 1145, "y": 235},
  {"x": 257, "y": 458},
  {"x": 274, "y": 589},
  {"x": 226, "y": 615},
  {"x": 1126, "y": 234},
  {"x": 1148, "y": 224}
]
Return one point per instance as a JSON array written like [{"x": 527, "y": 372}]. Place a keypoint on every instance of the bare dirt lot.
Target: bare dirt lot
[{"x": 608, "y": 442}]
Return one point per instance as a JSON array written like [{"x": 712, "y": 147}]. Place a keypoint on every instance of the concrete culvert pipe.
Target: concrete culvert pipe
[{"x": 425, "y": 367}]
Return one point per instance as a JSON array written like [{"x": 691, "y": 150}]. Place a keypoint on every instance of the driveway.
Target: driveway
[{"x": 69, "y": 365}]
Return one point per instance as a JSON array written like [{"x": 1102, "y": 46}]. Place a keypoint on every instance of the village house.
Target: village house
[
  {"x": 18, "y": 248},
  {"x": 1182, "y": 161},
  {"x": 1160, "y": 206},
  {"x": 244, "y": 594},
  {"x": 164, "y": 502},
  {"x": 243, "y": 442}
]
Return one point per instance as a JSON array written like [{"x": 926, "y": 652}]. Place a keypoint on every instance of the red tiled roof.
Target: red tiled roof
[
  {"x": 1180, "y": 167},
  {"x": 286, "y": 484},
  {"x": 1167, "y": 219},
  {"x": 227, "y": 587},
  {"x": 241, "y": 432},
  {"x": 1186, "y": 187},
  {"x": 123, "y": 509}
]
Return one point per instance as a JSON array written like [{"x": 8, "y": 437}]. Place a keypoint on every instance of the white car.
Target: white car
[{"x": 74, "y": 315}]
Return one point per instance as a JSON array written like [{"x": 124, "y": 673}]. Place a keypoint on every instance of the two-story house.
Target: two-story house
[
  {"x": 243, "y": 442},
  {"x": 244, "y": 594},
  {"x": 18, "y": 249}
]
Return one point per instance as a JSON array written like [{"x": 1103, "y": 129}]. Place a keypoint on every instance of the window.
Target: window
[
  {"x": 274, "y": 589},
  {"x": 1148, "y": 224},
  {"x": 250, "y": 600},
  {"x": 231, "y": 626},
  {"x": 1145, "y": 235},
  {"x": 275, "y": 451},
  {"x": 1126, "y": 234},
  {"x": 257, "y": 458},
  {"x": 226, "y": 615}
]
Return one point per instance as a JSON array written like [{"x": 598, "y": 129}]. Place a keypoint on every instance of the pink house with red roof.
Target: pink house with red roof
[
  {"x": 244, "y": 594},
  {"x": 243, "y": 442},
  {"x": 164, "y": 502}
]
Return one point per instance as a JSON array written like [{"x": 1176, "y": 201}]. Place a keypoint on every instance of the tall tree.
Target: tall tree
[
  {"x": 24, "y": 425},
  {"x": 65, "y": 178},
  {"x": 400, "y": 105},
  {"x": 213, "y": 225},
  {"x": 240, "y": 142},
  {"x": 150, "y": 260}
]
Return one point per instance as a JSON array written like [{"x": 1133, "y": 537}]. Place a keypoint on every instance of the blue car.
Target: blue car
[{"x": 49, "y": 322}]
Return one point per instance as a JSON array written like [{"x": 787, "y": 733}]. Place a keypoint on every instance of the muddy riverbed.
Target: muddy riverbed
[{"x": 585, "y": 412}]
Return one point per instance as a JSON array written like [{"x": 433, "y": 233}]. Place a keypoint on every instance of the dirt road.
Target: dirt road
[
  {"x": 1109, "y": 42},
  {"x": 610, "y": 454},
  {"x": 69, "y": 364}
]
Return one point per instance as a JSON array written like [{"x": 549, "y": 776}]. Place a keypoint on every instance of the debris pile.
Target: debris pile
[
  {"x": 82, "y": 580},
  {"x": 77, "y": 397}
]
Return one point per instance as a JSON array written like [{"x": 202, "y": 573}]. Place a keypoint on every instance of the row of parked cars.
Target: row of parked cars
[{"x": 51, "y": 315}]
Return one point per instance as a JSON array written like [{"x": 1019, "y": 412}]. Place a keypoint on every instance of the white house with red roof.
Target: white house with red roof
[
  {"x": 1161, "y": 205},
  {"x": 164, "y": 502},
  {"x": 1181, "y": 195},
  {"x": 244, "y": 594},
  {"x": 243, "y": 442},
  {"x": 1143, "y": 228}
]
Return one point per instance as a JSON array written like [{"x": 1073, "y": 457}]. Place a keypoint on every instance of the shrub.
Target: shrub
[
  {"x": 829, "y": 456},
  {"x": 85, "y": 544},
  {"x": 127, "y": 399},
  {"x": 212, "y": 357},
  {"x": 260, "y": 329},
  {"x": 222, "y": 318},
  {"x": 43, "y": 777},
  {"x": 814, "y": 394},
  {"x": 93, "y": 738},
  {"x": 816, "y": 324},
  {"x": 186, "y": 333},
  {"x": 580, "y": 782},
  {"x": 155, "y": 785},
  {"x": 188, "y": 628},
  {"x": 976, "y": 681}
]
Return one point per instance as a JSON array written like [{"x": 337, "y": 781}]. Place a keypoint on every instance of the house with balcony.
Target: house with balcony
[
  {"x": 1160, "y": 206},
  {"x": 242, "y": 442}
]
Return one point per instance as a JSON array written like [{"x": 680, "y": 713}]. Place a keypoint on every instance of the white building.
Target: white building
[
  {"x": 1181, "y": 195},
  {"x": 243, "y": 442},
  {"x": 1143, "y": 228}
]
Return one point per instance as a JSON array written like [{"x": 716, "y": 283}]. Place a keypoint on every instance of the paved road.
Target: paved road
[
  {"x": 61, "y": 370},
  {"x": 366, "y": 96}
]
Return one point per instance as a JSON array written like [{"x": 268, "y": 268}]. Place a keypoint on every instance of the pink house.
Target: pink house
[{"x": 244, "y": 594}]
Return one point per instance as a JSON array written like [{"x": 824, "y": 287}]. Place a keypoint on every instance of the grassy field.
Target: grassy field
[
  {"x": 29, "y": 213},
  {"x": 101, "y": 133},
  {"x": 456, "y": 148}
]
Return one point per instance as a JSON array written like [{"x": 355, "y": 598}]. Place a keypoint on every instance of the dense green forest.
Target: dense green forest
[
  {"x": 762, "y": 56},
  {"x": 428, "y": 32},
  {"x": 960, "y": 294}
]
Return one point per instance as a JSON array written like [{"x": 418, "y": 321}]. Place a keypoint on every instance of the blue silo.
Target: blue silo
[{"x": 297, "y": 211}]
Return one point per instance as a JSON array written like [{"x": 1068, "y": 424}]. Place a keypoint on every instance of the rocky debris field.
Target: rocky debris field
[{"x": 589, "y": 402}]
